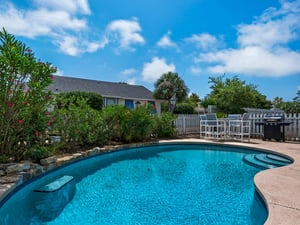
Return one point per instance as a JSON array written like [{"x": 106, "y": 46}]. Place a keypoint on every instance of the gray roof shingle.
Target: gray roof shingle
[{"x": 106, "y": 89}]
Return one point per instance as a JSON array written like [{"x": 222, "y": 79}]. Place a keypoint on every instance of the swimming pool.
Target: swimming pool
[{"x": 160, "y": 184}]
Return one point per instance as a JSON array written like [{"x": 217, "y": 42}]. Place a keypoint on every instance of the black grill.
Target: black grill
[{"x": 274, "y": 127}]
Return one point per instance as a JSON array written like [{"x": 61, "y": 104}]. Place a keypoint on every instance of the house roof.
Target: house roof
[{"x": 106, "y": 89}]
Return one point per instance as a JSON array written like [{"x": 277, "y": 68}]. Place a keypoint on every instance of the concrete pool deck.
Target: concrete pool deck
[{"x": 279, "y": 187}]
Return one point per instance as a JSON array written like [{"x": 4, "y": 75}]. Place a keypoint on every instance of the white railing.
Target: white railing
[{"x": 190, "y": 124}]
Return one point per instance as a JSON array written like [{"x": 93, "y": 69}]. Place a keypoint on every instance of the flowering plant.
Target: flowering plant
[{"x": 24, "y": 97}]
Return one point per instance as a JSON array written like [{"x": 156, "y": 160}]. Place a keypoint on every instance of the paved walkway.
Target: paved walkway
[{"x": 279, "y": 187}]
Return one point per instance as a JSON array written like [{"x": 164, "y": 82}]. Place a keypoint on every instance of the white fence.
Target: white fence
[{"x": 189, "y": 124}]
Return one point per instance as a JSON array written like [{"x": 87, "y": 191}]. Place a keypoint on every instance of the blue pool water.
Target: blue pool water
[{"x": 165, "y": 184}]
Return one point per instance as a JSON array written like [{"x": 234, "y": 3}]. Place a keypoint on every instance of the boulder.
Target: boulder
[{"x": 49, "y": 160}]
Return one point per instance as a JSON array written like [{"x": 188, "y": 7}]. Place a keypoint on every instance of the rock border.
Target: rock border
[{"x": 13, "y": 175}]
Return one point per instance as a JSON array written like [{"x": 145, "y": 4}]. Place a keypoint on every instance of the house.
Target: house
[{"x": 131, "y": 96}]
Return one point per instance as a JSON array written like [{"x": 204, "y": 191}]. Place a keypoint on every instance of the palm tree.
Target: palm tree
[{"x": 170, "y": 86}]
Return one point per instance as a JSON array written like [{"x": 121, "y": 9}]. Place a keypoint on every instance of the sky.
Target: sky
[{"x": 136, "y": 41}]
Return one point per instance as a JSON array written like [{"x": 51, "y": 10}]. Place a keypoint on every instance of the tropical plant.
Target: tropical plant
[
  {"x": 170, "y": 85},
  {"x": 24, "y": 100}
]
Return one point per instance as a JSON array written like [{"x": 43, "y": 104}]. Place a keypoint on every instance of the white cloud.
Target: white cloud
[
  {"x": 71, "y": 6},
  {"x": 39, "y": 22},
  {"x": 270, "y": 33},
  {"x": 131, "y": 81},
  {"x": 94, "y": 46},
  {"x": 195, "y": 70},
  {"x": 154, "y": 69},
  {"x": 129, "y": 71},
  {"x": 203, "y": 41},
  {"x": 127, "y": 32},
  {"x": 74, "y": 46},
  {"x": 59, "y": 72},
  {"x": 68, "y": 44},
  {"x": 254, "y": 61},
  {"x": 56, "y": 20},
  {"x": 263, "y": 45},
  {"x": 166, "y": 41}
]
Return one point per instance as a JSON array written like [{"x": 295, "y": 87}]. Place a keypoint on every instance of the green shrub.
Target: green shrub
[
  {"x": 80, "y": 125},
  {"x": 94, "y": 100},
  {"x": 184, "y": 108},
  {"x": 36, "y": 153},
  {"x": 128, "y": 125},
  {"x": 163, "y": 125},
  {"x": 164, "y": 107},
  {"x": 23, "y": 100},
  {"x": 137, "y": 125},
  {"x": 4, "y": 159},
  {"x": 113, "y": 117}
]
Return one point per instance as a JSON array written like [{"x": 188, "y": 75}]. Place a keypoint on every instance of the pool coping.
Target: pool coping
[{"x": 278, "y": 187}]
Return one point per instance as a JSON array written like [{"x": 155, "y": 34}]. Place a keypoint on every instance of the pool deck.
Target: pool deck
[{"x": 279, "y": 187}]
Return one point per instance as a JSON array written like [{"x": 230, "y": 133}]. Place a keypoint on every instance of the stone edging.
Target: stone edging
[{"x": 14, "y": 174}]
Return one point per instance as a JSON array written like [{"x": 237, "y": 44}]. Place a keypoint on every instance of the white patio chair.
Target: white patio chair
[
  {"x": 239, "y": 127},
  {"x": 202, "y": 125},
  {"x": 214, "y": 128}
]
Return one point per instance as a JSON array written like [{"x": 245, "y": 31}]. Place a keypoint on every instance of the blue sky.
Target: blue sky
[{"x": 136, "y": 41}]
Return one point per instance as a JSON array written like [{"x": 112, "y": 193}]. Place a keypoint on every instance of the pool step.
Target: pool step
[
  {"x": 279, "y": 158},
  {"x": 251, "y": 160},
  {"x": 50, "y": 199},
  {"x": 264, "y": 158},
  {"x": 265, "y": 161}
]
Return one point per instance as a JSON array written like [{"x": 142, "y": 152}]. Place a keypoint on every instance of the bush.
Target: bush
[
  {"x": 24, "y": 100},
  {"x": 184, "y": 108},
  {"x": 137, "y": 125},
  {"x": 163, "y": 126},
  {"x": 94, "y": 100},
  {"x": 79, "y": 124},
  {"x": 113, "y": 117},
  {"x": 36, "y": 153},
  {"x": 128, "y": 125},
  {"x": 4, "y": 159},
  {"x": 164, "y": 107}
]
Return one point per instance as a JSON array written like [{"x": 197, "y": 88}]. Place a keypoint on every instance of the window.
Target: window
[{"x": 110, "y": 101}]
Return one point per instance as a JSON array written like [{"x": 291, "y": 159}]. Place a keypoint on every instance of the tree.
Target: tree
[
  {"x": 193, "y": 99},
  {"x": 169, "y": 85},
  {"x": 296, "y": 101},
  {"x": 278, "y": 103},
  {"x": 288, "y": 107},
  {"x": 23, "y": 97},
  {"x": 232, "y": 95}
]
